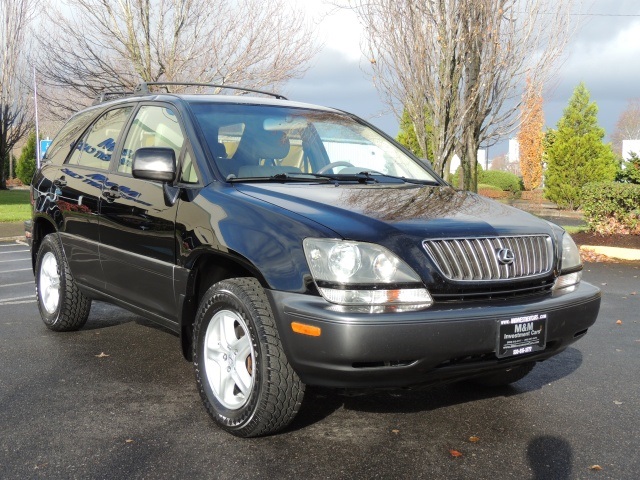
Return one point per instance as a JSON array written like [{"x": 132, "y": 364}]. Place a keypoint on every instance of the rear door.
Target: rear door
[
  {"x": 77, "y": 188},
  {"x": 137, "y": 229}
]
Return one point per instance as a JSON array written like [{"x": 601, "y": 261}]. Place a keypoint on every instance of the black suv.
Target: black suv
[{"x": 290, "y": 244}]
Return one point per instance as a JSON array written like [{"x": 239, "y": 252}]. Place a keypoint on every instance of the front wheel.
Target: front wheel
[
  {"x": 244, "y": 378},
  {"x": 63, "y": 307}
]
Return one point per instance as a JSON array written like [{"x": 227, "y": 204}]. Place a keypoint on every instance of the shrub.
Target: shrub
[
  {"x": 27, "y": 162},
  {"x": 454, "y": 178},
  {"x": 612, "y": 207},
  {"x": 491, "y": 191},
  {"x": 505, "y": 181},
  {"x": 631, "y": 171}
]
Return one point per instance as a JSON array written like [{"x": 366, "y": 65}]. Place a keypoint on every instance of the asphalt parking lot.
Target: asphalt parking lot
[{"x": 116, "y": 400}]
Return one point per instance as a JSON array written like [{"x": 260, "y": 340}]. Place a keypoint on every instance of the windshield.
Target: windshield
[{"x": 261, "y": 141}]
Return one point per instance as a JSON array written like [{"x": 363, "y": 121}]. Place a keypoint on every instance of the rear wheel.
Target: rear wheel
[
  {"x": 243, "y": 375},
  {"x": 505, "y": 377},
  {"x": 62, "y": 305}
]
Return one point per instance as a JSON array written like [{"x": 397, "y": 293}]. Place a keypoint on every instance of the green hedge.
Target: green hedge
[
  {"x": 505, "y": 181},
  {"x": 612, "y": 207}
]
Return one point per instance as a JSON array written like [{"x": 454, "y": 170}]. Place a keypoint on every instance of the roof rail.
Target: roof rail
[
  {"x": 143, "y": 88},
  {"x": 103, "y": 96}
]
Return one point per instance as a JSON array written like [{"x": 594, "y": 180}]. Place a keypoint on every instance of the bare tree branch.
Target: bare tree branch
[
  {"x": 99, "y": 45},
  {"x": 461, "y": 64},
  {"x": 16, "y": 115},
  {"x": 627, "y": 126}
]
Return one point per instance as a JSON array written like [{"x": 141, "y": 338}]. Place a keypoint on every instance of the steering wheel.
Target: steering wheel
[{"x": 333, "y": 165}]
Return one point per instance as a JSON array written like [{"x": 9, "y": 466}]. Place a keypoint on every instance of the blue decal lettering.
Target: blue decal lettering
[{"x": 108, "y": 144}]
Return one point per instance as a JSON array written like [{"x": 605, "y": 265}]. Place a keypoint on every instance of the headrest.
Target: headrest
[{"x": 270, "y": 144}]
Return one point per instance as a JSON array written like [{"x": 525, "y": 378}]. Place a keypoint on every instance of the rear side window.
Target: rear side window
[
  {"x": 67, "y": 136},
  {"x": 96, "y": 146}
]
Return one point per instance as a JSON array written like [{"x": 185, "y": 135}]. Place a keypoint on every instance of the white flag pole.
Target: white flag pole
[{"x": 35, "y": 101}]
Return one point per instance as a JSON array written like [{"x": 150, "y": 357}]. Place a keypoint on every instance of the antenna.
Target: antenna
[{"x": 35, "y": 101}]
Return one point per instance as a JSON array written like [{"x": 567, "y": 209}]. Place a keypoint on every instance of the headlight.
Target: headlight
[
  {"x": 357, "y": 273},
  {"x": 570, "y": 274},
  {"x": 570, "y": 254}
]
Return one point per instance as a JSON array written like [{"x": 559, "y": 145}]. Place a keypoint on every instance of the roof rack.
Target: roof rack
[
  {"x": 103, "y": 96},
  {"x": 143, "y": 88}
]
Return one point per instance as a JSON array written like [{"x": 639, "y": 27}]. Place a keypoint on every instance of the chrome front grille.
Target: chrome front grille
[{"x": 477, "y": 259}]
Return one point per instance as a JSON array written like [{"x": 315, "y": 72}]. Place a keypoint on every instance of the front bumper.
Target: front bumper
[{"x": 446, "y": 342}]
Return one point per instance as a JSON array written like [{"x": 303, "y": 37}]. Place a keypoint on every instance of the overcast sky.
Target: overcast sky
[{"x": 605, "y": 54}]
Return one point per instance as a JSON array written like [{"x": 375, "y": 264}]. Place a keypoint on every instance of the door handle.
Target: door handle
[
  {"x": 60, "y": 182},
  {"x": 112, "y": 194}
]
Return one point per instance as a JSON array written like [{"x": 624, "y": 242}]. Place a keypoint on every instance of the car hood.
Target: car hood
[{"x": 372, "y": 212}]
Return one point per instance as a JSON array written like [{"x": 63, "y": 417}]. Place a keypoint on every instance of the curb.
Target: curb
[
  {"x": 614, "y": 252},
  {"x": 14, "y": 239}
]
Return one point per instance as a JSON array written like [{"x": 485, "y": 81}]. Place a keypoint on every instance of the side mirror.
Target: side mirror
[{"x": 154, "y": 163}]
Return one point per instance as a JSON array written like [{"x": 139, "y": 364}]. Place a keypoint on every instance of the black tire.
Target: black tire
[
  {"x": 505, "y": 377},
  {"x": 72, "y": 308},
  {"x": 273, "y": 392}
]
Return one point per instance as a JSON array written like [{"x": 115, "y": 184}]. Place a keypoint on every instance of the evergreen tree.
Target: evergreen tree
[
  {"x": 27, "y": 161},
  {"x": 577, "y": 154},
  {"x": 407, "y": 137}
]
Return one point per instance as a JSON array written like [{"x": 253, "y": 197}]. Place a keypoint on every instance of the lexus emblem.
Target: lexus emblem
[{"x": 505, "y": 256}]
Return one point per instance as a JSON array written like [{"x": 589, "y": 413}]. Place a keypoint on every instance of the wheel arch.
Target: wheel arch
[
  {"x": 42, "y": 226},
  {"x": 205, "y": 270}
]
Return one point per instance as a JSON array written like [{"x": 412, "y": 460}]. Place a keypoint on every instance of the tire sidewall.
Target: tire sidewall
[
  {"x": 50, "y": 245},
  {"x": 226, "y": 299}
]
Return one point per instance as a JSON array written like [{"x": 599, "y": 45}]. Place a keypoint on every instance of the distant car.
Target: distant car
[{"x": 290, "y": 245}]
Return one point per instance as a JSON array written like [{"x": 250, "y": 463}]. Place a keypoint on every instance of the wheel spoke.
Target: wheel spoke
[
  {"x": 227, "y": 386},
  {"x": 215, "y": 352},
  {"x": 242, "y": 378},
  {"x": 228, "y": 356},
  {"x": 228, "y": 330},
  {"x": 243, "y": 348},
  {"x": 49, "y": 283}
]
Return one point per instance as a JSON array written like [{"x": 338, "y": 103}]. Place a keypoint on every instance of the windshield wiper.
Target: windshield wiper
[
  {"x": 281, "y": 177},
  {"x": 373, "y": 174}
]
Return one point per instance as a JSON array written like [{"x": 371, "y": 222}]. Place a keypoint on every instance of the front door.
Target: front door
[{"x": 137, "y": 229}]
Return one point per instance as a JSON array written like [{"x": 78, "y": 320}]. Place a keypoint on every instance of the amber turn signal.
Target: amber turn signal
[{"x": 303, "y": 329}]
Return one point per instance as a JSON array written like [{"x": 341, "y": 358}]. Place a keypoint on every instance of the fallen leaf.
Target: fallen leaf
[
  {"x": 455, "y": 453},
  {"x": 474, "y": 439},
  {"x": 617, "y": 402},
  {"x": 395, "y": 431},
  {"x": 595, "y": 467},
  {"x": 619, "y": 322},
  {"x": 102, "y": 355},
  {"x": 128, "y": 440}
]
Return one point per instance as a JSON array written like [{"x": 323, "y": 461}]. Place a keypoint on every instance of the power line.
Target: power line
[{"x": 606, "y": 14}]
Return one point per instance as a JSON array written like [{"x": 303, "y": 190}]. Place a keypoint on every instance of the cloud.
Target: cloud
[
  {"x": 339, "y": 81},
  {"x": 608, "y": 66}
]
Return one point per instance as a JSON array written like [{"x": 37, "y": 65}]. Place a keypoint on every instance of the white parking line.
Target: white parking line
[
  {"x": 15, "y": 260},
  {"x": 18, "y": 270},
  {"x": 14, "y": 245},
  {"x": 13, "y": 251},
  {"x": 16, "y": 284},
  {"x": 33, "y": 300},
  {"x": 6, "y": 300}
]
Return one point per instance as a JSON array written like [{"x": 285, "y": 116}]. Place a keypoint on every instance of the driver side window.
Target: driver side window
[{"x": 154, "y": 126}]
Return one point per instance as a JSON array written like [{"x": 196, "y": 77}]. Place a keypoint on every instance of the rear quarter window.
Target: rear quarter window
[{"x": 68, "y": 135}]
